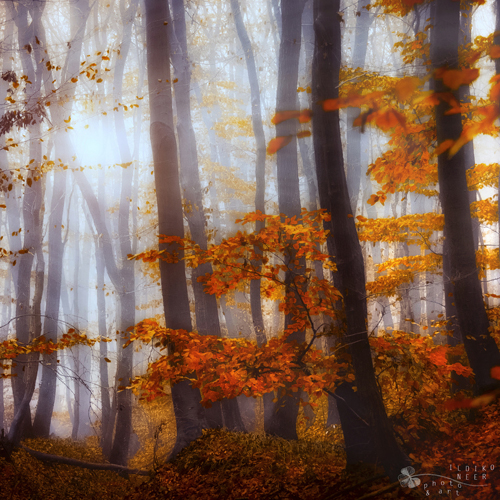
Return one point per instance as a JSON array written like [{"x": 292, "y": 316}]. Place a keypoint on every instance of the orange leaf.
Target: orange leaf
[
  {"x": 495, "y": 92},
  {"x": 406, "y": 87},
  {"x": 495, "y": 372},
  {"x": 390, "y": 119},
  {"x": 303, "y": 133},
  {"x": 282, "y": 116},
  {"x": 453, "y": 78},
  {"x": 483, "y": 400},
  {"x": 495, "y": 52},
  {"x": 331, "y": 104},
  {"x": 444, "y": 146},
  {"x": 305, "y": 116},
  {"x": 278, "y": 143},
  {"x": 454, "y": 404}
]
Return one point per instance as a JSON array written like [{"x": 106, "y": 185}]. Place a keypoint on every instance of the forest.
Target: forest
[{"x": 249, "y": 249}]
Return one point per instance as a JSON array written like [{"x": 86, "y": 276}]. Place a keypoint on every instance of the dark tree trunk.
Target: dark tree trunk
[
  {"x": 481, "y": 349},
  {"x": 496, "y": 41},
  {"x": 334, "y": 197},
  {"x": 186, "y": 399},
  {"x": 283, "y": 422}
]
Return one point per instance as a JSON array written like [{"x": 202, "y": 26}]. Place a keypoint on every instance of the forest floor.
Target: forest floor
[{"x": 235, "y": 466}]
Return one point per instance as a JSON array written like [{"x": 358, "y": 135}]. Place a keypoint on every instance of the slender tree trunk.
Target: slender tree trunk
[
  {"x": 355, "y": 156},
  {"x": 260, "y": 179},
  {"x": 123, "y": 430},
  {"x": 76, "y": 323},
  {"x": 106, "y": 420},
  {"x": 32, "y": 202},
  {"x": 481, "y": 349},
  {"x": 334, "y": 197},
  {"x": 206, "y": 310},
  {"x": 186, "y": 399},
  {"x": 284, "y": 420},
  {"x": 79, "y": 11},
  {"x": 496, "y": 41}
]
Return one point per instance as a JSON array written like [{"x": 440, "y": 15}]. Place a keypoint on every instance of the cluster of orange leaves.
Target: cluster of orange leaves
[
  {"x": 11, "y": 348},
  {"x": 414, "y": 376},
  {"x": 226, "y": 368}
]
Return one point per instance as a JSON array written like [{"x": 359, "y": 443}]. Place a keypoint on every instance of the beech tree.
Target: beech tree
[
  {"x": 481, "y": 349},
  {"x": 186, "y": 399}
]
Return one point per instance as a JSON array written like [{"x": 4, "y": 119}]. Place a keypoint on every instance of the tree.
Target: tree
[
  {"x": 344, "y": 244},
  {"x": 283, "y": 423},
  {"x": 481, "y": 349},
  {"x": 206, "y": 310},
  {"x": 173, "y": 277},
  {"x": 79, "y": 12}
]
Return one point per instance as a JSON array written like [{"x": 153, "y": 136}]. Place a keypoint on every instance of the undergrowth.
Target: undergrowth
[{"x": 238, "y": 466}]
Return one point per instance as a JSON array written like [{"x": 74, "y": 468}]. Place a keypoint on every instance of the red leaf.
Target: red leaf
[{"x": 278, "y": 143}]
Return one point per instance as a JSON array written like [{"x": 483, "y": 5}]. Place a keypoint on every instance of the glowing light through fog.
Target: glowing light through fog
[{"x": 94, "y": 143}]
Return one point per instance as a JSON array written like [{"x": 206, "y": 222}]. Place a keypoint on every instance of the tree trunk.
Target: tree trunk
[
  {"x": 106, "y": 421},
  {"x": 496, "y": 41},
  {"x": 334, "y": 197},
  {"x": 284, "y": 420},
  {"x": 123, "y": 430},
  {"x": 355, "y": 157},
  {"x": 206, "y": 309},
  {"x": 186, "y": 399},
  {"x": 260, "y": 179},
  {"x": 79, "y": 11},
  {"x": 481, "y": 349},
  {"x": 32, "y": 202}
]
